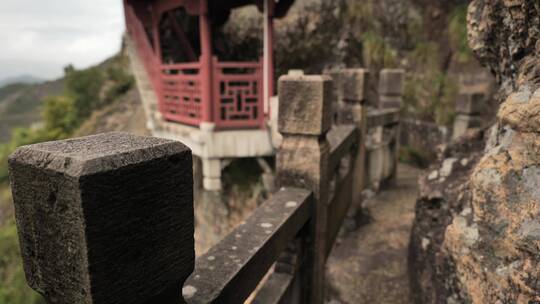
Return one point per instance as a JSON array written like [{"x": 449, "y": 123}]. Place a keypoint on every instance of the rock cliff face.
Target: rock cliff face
[{"x": 476, "y": 237}]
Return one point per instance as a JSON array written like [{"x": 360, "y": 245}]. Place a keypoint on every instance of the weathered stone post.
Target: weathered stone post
[
  {"x": 337, "y": 92},
  {"x": 354, "y": 111},
  {"x": 468, "y": 108},
  {"x": 391, "y": 82},
  {"x": 394, "y": 132},
  {"x": 305, "y": 117},
  {"x": 391, "y": 88},
  {"x": 105, "y": 218}
]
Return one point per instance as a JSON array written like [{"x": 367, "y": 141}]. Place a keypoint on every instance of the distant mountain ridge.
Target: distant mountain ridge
[
  {"x": 20, "y": 104},
  {"x": 22, "y": 79}
]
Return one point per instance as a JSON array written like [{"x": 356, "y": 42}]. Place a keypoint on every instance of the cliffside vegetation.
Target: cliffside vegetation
[
  {"x": 20, "y": 104},
  {"x": 476, "y": 237},
  {"x": 84, "y": 92},
  {"x": 428, "y": 38}
]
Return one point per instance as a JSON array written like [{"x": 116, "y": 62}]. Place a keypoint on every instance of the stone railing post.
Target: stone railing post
[
  {"x": 337, "y": 92},
  {"x": 391, "y": 83},
  {"x": 354, "y": 111},
  {"x": 305, "y": 117},
  {"x": 468, "y": 109},
  {"x": 105, "y": 218}
]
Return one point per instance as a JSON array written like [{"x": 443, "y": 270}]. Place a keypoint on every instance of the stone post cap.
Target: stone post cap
[
  {"x": 295, "y": 72},
  {"x": 355, "y": 84},
  {"x": 105, "y": 218},
  {"x": 305, "y": 104},
  {"x": 95, "y": 153},
  {"x": 391, "y": 81}
]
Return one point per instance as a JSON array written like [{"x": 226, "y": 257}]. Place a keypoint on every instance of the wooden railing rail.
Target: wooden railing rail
[
  {"x": 383, "y": 155},
  {"x": 230, "y": 271},
  {"x": 109, "y": 218},
  {"x": 342, "y": 140},
  {"x": 383, "y": 117}
]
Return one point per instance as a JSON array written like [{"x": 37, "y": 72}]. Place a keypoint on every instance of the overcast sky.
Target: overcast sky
[{"x": 40, "y": 37}]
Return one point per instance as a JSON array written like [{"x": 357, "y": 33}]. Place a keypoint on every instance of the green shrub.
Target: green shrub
[
  {"x": 60, "y": 116},
  {"x": 13, "y": 289},
  {"x": 377, "y": 52},
  {"x": 121, "y": 83},
  {"x": 457, "y": 31},
  {"x": 85, "y": 88}
]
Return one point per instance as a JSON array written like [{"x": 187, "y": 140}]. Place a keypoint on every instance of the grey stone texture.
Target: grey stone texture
[
  {"x": 355, "y": 84},
  {"x": 305, "y": 117},
  {"x": 481, "y": 220},
  {"x": 391, "y": 82},
  {"x": 105, "y": 218},
  {"x": 308, "y": 106}
]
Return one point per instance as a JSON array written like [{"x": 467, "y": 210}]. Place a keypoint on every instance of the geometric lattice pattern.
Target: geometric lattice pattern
[
  {"x": 239, "y": 95},
  {"x": 181, "y": 98},
  {"x": 238, "y": 100},
  {"x": 236, "y": 88}
]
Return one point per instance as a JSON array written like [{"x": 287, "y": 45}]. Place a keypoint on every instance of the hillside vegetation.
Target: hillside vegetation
[
  {"x": 83, "y": 93},
  {"x": 20, "y": 104}
]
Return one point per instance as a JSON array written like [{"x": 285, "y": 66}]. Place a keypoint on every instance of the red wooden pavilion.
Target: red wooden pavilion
[
  {"x": 199, "y": 87},
  {"x": 192, "y": 92}
]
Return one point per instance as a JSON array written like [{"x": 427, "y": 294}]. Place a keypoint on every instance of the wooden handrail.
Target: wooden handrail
[
  {"x": 383, "y": 117},
  {"x": 230, "y": 271},
  {"x": 342, "y": 139},
  {"x": 340, "y": 204}
]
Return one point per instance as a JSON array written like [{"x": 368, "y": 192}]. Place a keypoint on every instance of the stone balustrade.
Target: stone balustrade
[{"x": 109, "y": 218}]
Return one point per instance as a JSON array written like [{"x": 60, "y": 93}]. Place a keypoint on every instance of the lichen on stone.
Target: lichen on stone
[{"x": 491, "y": 252}]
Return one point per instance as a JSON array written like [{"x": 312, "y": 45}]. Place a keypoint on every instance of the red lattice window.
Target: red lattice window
[{"x": 238, "y": 92}]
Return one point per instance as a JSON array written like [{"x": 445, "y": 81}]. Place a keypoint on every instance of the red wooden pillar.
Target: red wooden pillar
[
  {"x": 206, "y": 62},
  {"x": 155, "y": 34},
  {"x": 155, "y": 72},
  {"x": 268, "y": 53}
]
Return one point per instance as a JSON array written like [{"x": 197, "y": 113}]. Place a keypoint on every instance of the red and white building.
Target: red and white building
[{"x": 221, "y": 109}]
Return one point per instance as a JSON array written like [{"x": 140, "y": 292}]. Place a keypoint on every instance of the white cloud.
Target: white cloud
[{"x": 40, "y": 37}]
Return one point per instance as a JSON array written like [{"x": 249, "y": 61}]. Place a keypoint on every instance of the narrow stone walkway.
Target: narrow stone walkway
[{"x": 369, "y": 265}]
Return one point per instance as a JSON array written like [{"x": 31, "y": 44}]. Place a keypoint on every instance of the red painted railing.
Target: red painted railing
[
  {"x": 238, "y": 94},
  {"x": 236, "y": 88},
  {"x": 180, "y": 96}
]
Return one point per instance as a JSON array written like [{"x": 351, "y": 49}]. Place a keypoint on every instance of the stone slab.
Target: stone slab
[
  {"x": 105, "y": 218},
  {"x": 305, "y": 104},
  {"x": 391, "y": 81}
]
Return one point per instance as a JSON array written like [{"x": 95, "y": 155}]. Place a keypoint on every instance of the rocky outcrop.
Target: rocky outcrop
[{"x": 476, "y": 237}]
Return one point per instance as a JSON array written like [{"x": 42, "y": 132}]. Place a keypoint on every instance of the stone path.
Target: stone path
[{"x": 369, "y": 265}]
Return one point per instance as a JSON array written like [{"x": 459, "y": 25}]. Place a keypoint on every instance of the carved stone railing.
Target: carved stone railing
[
  {"x": 109, "y": 218},
  {"x": 227, "y": 94},
  {"x": 384, "y": 127},
  {"x": 383, "y": 146}
]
